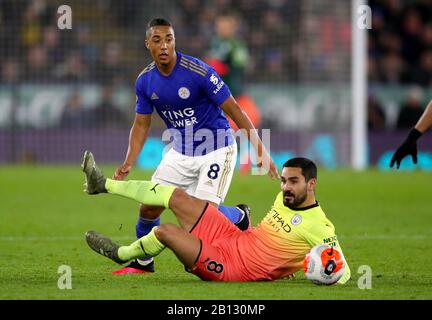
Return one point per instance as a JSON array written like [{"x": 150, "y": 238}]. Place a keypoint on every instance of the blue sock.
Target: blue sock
[
  {"x": 143, "y": 227},
  {"x": 232, "y": 213}
]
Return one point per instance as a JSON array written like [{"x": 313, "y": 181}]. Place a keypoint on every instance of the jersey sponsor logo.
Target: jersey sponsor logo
[
  {"x": 219, "y": 86},
  {"x": 184, "y": 93},
  {"x": 331, "y": 241},
  {"x": 154, "y": 96},
  {"x": 217, "y": 83},
  {"x": 296, "y": 219},
  {"x": 214, "y": 79},
  {"x": 278, "y": 222},
  {"x": 180, "y": 118}
]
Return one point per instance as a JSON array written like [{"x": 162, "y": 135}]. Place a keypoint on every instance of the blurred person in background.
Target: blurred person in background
[
  {"x": 37, "y": 67},
  {"x": 376, "y": 114},
  {"x": 229, "y": 57},
  {"x": 411, "y": 111},
  {"x": 51, "y": 41},
  {"x": 72, "y": 69},
  {"x": 10, "y": 71},
  {"x": 107, "y": 114},
  {"x": 422, "y": 74},
  {"x": 412, "y": 28},
  {"x": 111, "y": 67},
  {"x": 31, "y": 25},
  {"x": 75, "y": 115},
  {"x": 391, "y": 68},
  {"x": 228, "y": 54},
  {"x": 272, "y": 49},
  {"x": 84, "y": 45}
]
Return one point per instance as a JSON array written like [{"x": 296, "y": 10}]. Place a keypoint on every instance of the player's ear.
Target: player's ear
[
  {"x": 312, "y": 184},
  {"x": 146, "y": 43}
]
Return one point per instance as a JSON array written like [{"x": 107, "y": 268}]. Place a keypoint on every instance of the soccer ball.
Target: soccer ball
[{"x": 323, "y": 265}]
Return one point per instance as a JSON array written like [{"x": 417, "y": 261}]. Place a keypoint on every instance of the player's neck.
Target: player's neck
[
  {"x": 310, "y": 201},
  {"x": 167, "y": 68}
]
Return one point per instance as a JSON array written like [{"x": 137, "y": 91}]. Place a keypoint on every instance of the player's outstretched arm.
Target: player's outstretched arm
[
  {"x": 409, "y": 145},
  {"x": 137, "y": 137},
  {"x": 232, "y": 109},
  {"x": 425, "y": 121}
]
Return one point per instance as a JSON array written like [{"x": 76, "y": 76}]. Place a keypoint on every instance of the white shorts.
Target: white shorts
[{"x": 205, "y": 177}]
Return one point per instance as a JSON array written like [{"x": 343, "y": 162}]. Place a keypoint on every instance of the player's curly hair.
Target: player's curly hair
[{"x": 309, "y": 169}]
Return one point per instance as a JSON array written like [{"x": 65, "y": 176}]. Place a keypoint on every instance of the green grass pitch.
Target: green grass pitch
[{"x": 383, "y": 220}]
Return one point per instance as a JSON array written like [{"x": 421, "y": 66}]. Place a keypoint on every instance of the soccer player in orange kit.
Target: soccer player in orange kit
[{"x": 208, "y": 244}]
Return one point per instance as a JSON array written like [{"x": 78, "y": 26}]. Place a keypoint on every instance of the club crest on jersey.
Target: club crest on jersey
[
  {"x": 183, "y": 93},
  {"x": 296, "y": 219}
]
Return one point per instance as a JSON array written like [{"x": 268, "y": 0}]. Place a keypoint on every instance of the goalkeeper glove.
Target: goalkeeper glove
[{"x": 408, "y": 147}]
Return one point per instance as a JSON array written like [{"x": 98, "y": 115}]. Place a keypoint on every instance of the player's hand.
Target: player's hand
[
  {"x": 408, "y": 147},
  {"x": 404, "y": 150},
  {"x": 273, "y": 172},
  {"x": 122, "y": 172},
  {"x": 268, "y": 164}
]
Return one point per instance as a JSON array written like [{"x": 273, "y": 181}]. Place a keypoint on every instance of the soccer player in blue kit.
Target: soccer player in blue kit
[{"x": 192, "y": 100}]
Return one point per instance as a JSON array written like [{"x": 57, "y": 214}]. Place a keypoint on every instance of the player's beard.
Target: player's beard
[{"x": 297, "y": 200}]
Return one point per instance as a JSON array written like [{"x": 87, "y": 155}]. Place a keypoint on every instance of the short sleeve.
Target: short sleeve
[
  {"x": 143, "y": 104},
  {"x": 217, "y": 91}
]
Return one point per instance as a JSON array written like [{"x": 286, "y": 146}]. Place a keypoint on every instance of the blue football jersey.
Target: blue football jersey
[{"x": 188, "y": 100}]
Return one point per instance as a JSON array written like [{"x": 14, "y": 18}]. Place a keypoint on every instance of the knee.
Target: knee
[
  {"x": 178, "y": 197},
  {"x": 164, "y": 231}
]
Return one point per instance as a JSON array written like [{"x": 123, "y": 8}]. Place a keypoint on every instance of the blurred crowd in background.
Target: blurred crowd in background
[
  {"x": 400, "y": 53},
  {"x": 34, "y": 49},
  {"x": 280, "y": 41},
  {"x": 107, "y": 42},
  {"x": 400, "y": 42}
]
